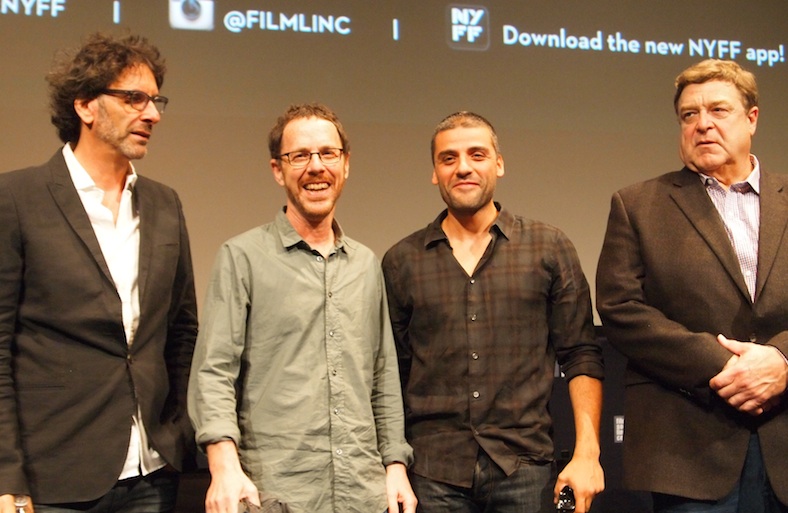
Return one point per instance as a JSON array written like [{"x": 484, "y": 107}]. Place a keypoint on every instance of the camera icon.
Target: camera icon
[{"x": 191, "y": 14}]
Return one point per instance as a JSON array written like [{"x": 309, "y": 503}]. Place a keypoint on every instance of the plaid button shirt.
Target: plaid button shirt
[{"x": 477, "y": 353}]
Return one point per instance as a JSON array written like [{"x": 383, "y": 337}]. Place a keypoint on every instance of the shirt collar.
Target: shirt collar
[
  {"x": 753, "y": 179},
  {"x": 290, "y": 237},
  {"x": 504, "y": 224},
  {"x": 81, "y": 178}
]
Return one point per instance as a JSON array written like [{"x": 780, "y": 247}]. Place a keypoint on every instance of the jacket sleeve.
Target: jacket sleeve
[
  {"x": 658, "y": 347},
  {"x": 12, "y": 476},
  {"x": 181, "y": 332}
]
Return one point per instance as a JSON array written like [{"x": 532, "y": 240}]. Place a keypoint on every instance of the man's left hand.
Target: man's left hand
[
  {"x": 586, "y": 477},
  {"x": 398, "y": 489}
]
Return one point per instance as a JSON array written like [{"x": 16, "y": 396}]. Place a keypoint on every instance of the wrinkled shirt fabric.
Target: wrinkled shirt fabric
[{"x": 295, "y": 362}]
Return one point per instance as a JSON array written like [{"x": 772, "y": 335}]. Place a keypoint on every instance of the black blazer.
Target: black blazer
[
  {"x": 668, "y": 282},
  {"x": 69, "y": 383}
]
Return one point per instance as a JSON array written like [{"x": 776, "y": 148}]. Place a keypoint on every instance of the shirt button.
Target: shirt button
[
  {"x": 339, "y": 452},
  {"x": 336, "y": 411},
  {"x": 330, "y": 333},
  {"x": 476, "y": 394},
  {"x": 473, "y": 281},
  {"x": 319, "y": 258},
  {"x": 475, "y": 355},
  {"x": 330, "y": 294},
  {"x": 473, "y": 317}
]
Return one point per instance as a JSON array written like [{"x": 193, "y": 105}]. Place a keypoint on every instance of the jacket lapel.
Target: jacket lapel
[
  {"x": 144, "y": 208},
  {"x": 774, "y": 218},
  {"x": 692, "y": 199},
  {"x": 67, "y": 199}
]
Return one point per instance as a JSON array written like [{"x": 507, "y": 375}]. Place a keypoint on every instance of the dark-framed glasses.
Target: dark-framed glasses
[
  {"x": 300, "y": 158},
  {"x": 138, "y": 100}
]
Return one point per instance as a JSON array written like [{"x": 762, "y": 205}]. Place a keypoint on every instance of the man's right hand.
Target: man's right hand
[
  {"x": 755, "y": 377},
  {"x": 229, "y": 484}
]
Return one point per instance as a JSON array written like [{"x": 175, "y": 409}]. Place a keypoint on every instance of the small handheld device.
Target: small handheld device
[
  {"x": 20, "y": 503},
  {"x": 566, "y": 500}
]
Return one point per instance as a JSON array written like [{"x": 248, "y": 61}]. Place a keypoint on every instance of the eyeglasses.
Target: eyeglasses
[
  {"x": 301, "y": 158},
  {"x": 138, "y": 100}
]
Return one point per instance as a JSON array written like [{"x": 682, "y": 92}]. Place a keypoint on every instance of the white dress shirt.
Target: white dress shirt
[{"x": 120, "y": 244}]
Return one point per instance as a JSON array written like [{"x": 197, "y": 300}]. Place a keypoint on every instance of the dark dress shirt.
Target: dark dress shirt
[{"x": 477, "y": 353}]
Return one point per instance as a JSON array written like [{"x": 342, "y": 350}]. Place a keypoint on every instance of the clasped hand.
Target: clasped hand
[{"x": 753, "y": 379}]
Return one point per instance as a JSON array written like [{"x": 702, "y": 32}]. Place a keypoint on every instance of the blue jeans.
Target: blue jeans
[
  {"x": 752, "y": 494},
  {"x": 528, "y": 490},
  {"x": 154, "y": 493}
]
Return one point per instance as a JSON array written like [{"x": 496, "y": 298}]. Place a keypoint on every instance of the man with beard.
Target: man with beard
[
  {"x": 295, "y": 391},
  {"x": 97, "y": 311},
  {"x": 482, "y": 305}
]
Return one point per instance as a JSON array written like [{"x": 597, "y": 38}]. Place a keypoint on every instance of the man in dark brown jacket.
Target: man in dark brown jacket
[{"x": 692, "y": 286}]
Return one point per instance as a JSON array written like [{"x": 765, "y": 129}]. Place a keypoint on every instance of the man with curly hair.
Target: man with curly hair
[{"x": 97, "y": 311}]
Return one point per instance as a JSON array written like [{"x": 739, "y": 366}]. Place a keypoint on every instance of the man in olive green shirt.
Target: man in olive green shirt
[{"x": 294, "y": 380}]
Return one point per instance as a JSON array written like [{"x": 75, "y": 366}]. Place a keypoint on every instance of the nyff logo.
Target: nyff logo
[{"x": 469, "y": 27}]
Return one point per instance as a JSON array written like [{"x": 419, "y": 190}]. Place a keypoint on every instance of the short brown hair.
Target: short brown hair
[
  {"x": 304, "y": 110},
  {"x": 715, "y": 69}
]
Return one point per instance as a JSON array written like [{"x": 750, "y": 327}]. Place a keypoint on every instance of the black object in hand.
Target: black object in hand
[{"x": 566, "y": 500}]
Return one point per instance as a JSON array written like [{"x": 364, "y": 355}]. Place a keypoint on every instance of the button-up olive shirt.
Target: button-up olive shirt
[{"x": 295, "y": 362}]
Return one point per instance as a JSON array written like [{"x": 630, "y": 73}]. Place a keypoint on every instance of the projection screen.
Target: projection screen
[{"x": 579, "y": 91}]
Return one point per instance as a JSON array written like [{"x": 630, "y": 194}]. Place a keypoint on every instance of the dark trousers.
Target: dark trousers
[
  {"x": 528, "y": 490},
  {"x": 154, "y": 493}
]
